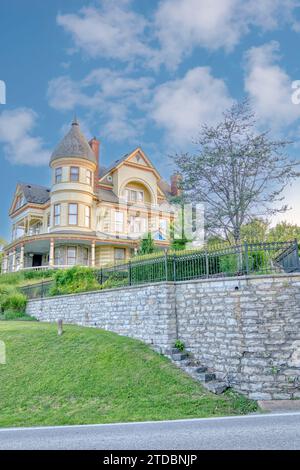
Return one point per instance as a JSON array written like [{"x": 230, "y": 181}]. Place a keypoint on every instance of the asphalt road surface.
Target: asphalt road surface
[{"x": 274, "y": 431}]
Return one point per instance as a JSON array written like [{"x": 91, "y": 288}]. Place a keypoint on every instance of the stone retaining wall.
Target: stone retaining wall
[{"x": 246, "y": 329}]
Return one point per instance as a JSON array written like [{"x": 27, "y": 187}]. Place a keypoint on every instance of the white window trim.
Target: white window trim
[{"x": 71, "y": 214}]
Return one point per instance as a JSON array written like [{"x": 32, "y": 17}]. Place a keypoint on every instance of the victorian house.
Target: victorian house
[{"x": 90, "y": 215}]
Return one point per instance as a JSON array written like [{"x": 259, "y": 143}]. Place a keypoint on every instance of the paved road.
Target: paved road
[{"x": 280, "y": 431}]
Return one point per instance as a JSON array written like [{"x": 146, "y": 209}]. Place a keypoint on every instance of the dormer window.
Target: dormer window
[
  {"x": 58, "y": 175},
  {"x": 74, "y": 173},
  {"x": 132, "y": 195}
]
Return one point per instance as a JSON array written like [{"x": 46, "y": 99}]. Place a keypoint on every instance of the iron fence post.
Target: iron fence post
[
  {"x": 166, "y": 265},
  {"x": 246, "y": 257},
  {"x": 129, "y": 272},
  {"x": 297, "y": 254},
  {"x": 206, "y": 264},
  {"x": 101, "y": 276},
  {"x": 174, "y": 268}
]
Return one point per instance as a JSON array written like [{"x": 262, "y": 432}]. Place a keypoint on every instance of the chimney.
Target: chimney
[
  {"x": 175, "y": 184},
  {"x": 95, "y": 144}
]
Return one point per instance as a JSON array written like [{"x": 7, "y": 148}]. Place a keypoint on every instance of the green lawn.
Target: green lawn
[{"x": 93, "y": 376}]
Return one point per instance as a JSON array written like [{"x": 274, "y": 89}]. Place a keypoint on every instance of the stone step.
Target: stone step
[
  {"x": 179, "y": 356},
  {"x": 206, "y": 377},
  {"x": 216, "y": 387}
]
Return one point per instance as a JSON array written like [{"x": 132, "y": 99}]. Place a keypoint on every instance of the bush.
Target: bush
[
  {"x": 179, "y": 345},
  {"x": 16, "y": 316},
  {"x": 73, "y": 280},
  {"x": 14, "y": 302}
]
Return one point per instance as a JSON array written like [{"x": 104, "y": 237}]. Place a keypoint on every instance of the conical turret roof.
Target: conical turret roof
[{"x": 74, "y": 144}]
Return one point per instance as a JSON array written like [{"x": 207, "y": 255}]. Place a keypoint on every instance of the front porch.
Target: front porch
[{"x": 48, "y": 253}]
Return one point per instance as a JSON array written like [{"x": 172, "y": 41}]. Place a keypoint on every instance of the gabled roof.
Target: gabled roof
[
  {"x": 107, "y": 195},
  {"x": 34, "y": 193},
  {"x": 74, "y": 144}
]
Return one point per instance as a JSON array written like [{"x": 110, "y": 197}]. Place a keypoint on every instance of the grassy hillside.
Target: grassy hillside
[{"x": 92, "y": 376}]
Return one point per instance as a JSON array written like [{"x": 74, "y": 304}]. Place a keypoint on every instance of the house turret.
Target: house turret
[{"x": 74, "y": 165}]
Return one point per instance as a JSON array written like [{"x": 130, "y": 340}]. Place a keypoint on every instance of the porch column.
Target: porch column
[
  {"x": 51, "y": 253},
  {"x": 22, "y": 257},
  {"x": 14, "y": 260},
  {"x": 93, "y": 253},
  {"x": 5, "y": 263}
]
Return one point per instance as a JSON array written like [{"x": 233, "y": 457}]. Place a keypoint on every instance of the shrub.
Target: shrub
[
  {"x": 14, "y": 302},
  {"x": 179, "y": 345},
  {"x": 11, "y": 278},
  {"x": 110, "y": 283},
  {"x": 229, "y": 263},
  {"x": 73, "y": 280}
]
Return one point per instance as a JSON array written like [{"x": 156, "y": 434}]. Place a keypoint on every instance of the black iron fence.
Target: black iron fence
[
  {"x": 37, "y": 291},
  {"x": 238, "y": 260},
  {"x": 228, "y": 261}
]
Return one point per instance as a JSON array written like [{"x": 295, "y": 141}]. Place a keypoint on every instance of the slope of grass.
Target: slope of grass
[{"x": 93, "y": 376}]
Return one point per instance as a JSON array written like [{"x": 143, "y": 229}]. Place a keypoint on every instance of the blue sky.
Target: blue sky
[{"x": 140, "y": 72}]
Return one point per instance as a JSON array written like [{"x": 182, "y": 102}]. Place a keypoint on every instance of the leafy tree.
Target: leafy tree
[
  {"x": 238, "y": 173},
  {"x": 284, "y": 231},
  {"x": 147, "y": 245},
  {"x": 2, "y": 244},
  {"x": 256, "y": 230}
]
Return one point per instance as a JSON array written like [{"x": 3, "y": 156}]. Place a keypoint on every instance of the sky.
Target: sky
[{"x": 140, "y": 73}]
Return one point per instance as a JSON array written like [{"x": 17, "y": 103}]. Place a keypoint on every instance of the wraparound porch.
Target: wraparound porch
[{"x": 58, "y": 252}]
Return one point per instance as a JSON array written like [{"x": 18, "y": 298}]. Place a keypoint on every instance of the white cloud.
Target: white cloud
[
  {"x": 269, "y": 87},
  {"x": 20, "y": 147},
  {"x": 107, "y": 95},
  {"x": 182, "y": 25},
  {"x": 181, "y": 106},
  {"x": 113, "y": 31}
]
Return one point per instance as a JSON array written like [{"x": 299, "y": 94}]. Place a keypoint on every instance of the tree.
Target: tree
[
  {"x": 238, "y": 173},
  {"x": 284, "y": 231},
  {"x": 147, "y": 245},
  {"x": 256, "y": 230},
  {"x": 2, "y": 244}
]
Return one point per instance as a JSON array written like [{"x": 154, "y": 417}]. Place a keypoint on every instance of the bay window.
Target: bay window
[
  {"x": 71, "y": 255},
  {"x": 89, "y": 177},
  {"x": 57, "y": 214},
  {"x": 58, "y": 175},
  {"x": 87, "y": 216},
  {"x": 74, "y": 173},
  {"x": 73, "y": 214}
]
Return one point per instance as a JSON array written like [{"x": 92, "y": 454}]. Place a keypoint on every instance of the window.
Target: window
[
  {"x": 119, "y": 218},
  {"x": 20, "y": 201},
  {"x": 73, "y": 214},
  {"x": 58, "y": 175},
  {"x": 119, "y": 254},
  {"x": 58, "y": 256},
  {"x": 87, "y": 216},
  {"x": 74, "y": 173},
  {"x": 163, "y": 226},
  {"x": 137, "y": 224},
  {"x": 48, "y": 222},
  {"x": 132, "y": 195},
  {"x": 71, "y": 255},
  {"x": 57, "y": 214},
  {"x": 89, "y": 177},
  {"x": 85, "y": 256}
]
